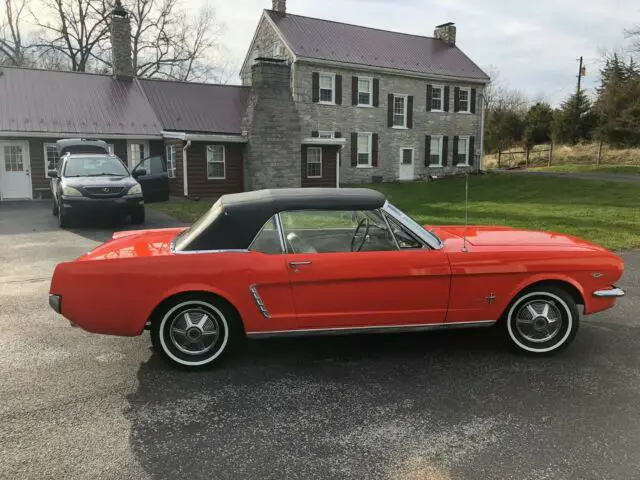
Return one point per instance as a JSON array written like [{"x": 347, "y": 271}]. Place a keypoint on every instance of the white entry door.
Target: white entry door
[
  {"x": 15, "y": 170},
  {"x": 406, "y": 164},
  {"x": 137, "y": 150}
]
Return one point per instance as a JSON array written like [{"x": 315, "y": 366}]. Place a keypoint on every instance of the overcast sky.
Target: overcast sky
[{"x": 534, "y": 44}]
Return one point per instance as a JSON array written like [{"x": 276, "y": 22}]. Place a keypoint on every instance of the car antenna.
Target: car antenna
[{"x": 466, "y": 210}]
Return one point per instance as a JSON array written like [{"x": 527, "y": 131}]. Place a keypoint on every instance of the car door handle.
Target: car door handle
[{"x": 295, "y": 265}]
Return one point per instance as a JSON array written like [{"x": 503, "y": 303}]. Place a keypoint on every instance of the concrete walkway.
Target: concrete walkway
[{"x": 607, "y": 177}]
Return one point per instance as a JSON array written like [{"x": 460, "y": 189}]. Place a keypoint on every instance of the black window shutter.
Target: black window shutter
[
  {"x": 429, "y": 97},
  {"x": 338, "y": 89},
  {"x": 427, "y": 150},
  {"x": 354, "y": 149},
  {"x": 315, "y": 134},
  {"x": 410, "y": 111},
  {"x": 455, "y": 150},
  {"x": 390, "y": 110},
  {"x": 472, "y": 149},
  {"x": 315, "y": 87},
  {"x": 354, "y": 90},
  {"x": 374, "y": 149},
  {"x": 445, "y": 151},
  {"x": 337, "y": 134},
  {"x": 376, "y": 92},
  {"x": 446, "y": 99},
  {"x": 456, "y": 99},
  {"x": 473, "y": 100}
]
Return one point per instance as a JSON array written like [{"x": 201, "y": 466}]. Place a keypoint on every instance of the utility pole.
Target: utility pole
[{"x": 581, "y": 71}]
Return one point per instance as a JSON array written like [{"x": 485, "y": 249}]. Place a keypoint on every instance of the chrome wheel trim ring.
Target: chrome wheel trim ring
[
  {"x": 558, "y": 300},
  {"x": 194, "y": 331},
  {"x": 224, "y": 328},
  {"x": 538, "y": 321}
]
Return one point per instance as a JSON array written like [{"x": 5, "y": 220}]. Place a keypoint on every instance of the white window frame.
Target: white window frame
[
  {"x": 277, "y": 50},
  {"x": 441, "y": 143},
  {"x": 210, "y": 160},
  {"x": 326, "y": 134},
  {"x": 468, "y": 90},
  {"x": 370, "y": 162},
  {"x": 413, "y": 155},
  {"x": 170, "y": 153},
  {"x": 319, "y": 149},
  {"x": 46, "y": 159},
  {"x": 370, "y": 80},
  {"x": 406, "y": 101},
  {"x": 467, "y": 139},
  {"x": 433, "y": 89},
  {"x": 333, "y": 88}
]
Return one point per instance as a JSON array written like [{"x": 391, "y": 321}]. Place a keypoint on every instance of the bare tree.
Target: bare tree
[
  {"x": 167, "y": 42},
  {"x": 634, "y": 35},
  {"x": 13, "y": 50}
]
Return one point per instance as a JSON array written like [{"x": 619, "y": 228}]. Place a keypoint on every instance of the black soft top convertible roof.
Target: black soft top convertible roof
[{"x": 237, "y": 218}]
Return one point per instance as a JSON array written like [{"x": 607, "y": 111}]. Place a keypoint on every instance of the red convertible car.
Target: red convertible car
[{"x": 330, "y": 261}]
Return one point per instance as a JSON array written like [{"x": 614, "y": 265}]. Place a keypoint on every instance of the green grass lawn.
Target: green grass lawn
[
  {"x": 606, "y": 213},
  {"x": 580, "y": 168}
]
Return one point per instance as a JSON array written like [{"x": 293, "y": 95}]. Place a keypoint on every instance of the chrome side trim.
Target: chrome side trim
[
  {"x": 386, "y": 222},
  {"x": 609, "y": 292},
  {"x": 422, "y": 234},
  {"x": 258, "y": 299},
  {"x": 194, "y": 252},
  {"x": 376, "y": 329}
]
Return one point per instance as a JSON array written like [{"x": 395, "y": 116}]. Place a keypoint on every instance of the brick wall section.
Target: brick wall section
[
  {"x": 273, "y": 129},
  {"x": 329, "y": 156},
  {"x": 346, "y": 118},
  {"x": 200, "y": 185},
  {"x": 266, "y": 38}
]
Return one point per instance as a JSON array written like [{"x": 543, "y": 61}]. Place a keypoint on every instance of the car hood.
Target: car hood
[
  {"x": 81, "y": 182},
  {"x": 492, "y": 236},
  {"x": 135, "y": 243}
]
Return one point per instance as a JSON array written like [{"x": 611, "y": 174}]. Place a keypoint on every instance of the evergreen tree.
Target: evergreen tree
[
  {"x": 575, "y": 121},
  {"x": 538, "y": 124}
]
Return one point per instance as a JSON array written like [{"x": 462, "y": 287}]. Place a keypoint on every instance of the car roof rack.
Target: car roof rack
[{"x": 81, "y": 145}]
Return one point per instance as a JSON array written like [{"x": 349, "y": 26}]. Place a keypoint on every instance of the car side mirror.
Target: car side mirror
[
  {"x": 140, "y": 172},
  {"x": 53, "y": 173}
]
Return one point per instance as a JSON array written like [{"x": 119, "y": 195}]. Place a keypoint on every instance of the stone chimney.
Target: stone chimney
[
  {"x": 121, "y": 43},
  {"x": 274, "y": 132},
  {"x": 447, "y": 33},
  {"x": 279, "y": 6}
]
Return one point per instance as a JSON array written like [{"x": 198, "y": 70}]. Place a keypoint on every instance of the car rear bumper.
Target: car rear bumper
[
  {"x": 84, "y": 205},
  {"x": 612, "y": 292}
]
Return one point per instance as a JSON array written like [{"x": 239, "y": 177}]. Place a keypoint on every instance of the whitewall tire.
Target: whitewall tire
[
  {"x": 542, "y": 321},
  {"x": 194, "y": 331}
]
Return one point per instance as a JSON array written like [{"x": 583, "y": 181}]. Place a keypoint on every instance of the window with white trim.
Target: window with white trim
[
  {"x": 364, "y": 150},
  {"x": 326, "y": 134},
  {"x": 278, "y": 50},
  {"x": 216, "y": 162},
  {"x": 365, "y": 92},
  {"x": 406, "y": 156},
  {"x": 464, "y": 101},
  {"x": 327, "y": 88},
  {"x": 314, "y": 162},
  {"x": 463, "y": 151},
  {"x": 51, "y": 158},
  {"x": 437, "y": 97},
  {"x": 435, "y": 155},
  {"x": 171, "y": 161},
  {"x": 399, "y": 110}
]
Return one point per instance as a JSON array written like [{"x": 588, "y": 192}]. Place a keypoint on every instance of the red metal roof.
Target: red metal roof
[{"x": 345, "y": 43}]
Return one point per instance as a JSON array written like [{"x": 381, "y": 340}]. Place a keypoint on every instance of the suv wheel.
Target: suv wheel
[
  {"x": 63, "y": 218},
  {"x": 137, "y": 216},
  {"x": 55, "y": 208}
]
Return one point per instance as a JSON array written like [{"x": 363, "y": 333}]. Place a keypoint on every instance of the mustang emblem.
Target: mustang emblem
[{"x": 491, "y": 298}]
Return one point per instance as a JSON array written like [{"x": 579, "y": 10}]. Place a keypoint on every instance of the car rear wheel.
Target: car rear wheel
[
  {"x": 138, "y": 216},
  {"x": 542, "y": 321},
  {"x": 64, "y": 220},
  {"x": 194, "y": 331}
]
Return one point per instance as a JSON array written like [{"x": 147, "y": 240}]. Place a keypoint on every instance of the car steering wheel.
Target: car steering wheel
[{"x": 356, "y": 245}]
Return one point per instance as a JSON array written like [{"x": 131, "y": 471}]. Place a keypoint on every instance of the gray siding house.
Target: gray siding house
[{"x": 322, "y": 103}]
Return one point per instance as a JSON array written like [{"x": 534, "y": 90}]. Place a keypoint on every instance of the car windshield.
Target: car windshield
[
  {"x": 428, "y": 236},
  {"x": 187, "y": 236},
  {"x": 94, "y": 166}
]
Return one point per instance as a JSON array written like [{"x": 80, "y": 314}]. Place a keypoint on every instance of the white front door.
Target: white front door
[
  {"x": 15, "y": 170},
  {"x": 406, "y": 164},
  {"x": 137, "y": 150}
]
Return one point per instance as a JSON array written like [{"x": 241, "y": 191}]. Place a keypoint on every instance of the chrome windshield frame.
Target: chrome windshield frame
[{"x": 429, "y": 238}]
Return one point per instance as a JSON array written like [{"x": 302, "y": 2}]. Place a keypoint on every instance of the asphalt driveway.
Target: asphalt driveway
[{"x": 429, "y": 406}]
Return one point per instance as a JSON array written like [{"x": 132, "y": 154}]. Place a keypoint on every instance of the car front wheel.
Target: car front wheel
[
  {"x": 64, "y": 220},
  {"x": 194, "y": 331},
  {"x": 542, "y": 321},
  {"x": 137, "y": 216}
]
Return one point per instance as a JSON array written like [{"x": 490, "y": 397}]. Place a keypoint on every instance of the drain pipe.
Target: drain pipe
[{"x": 185, "y": 180}]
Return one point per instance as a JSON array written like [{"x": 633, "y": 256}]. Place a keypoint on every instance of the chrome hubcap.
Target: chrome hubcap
[
  {"x": 194, "y": 331},
  {"x": 539, "y": 321}
]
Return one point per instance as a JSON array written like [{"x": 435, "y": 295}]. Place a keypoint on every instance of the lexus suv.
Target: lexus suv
[{"x": 90, "y": 181}]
